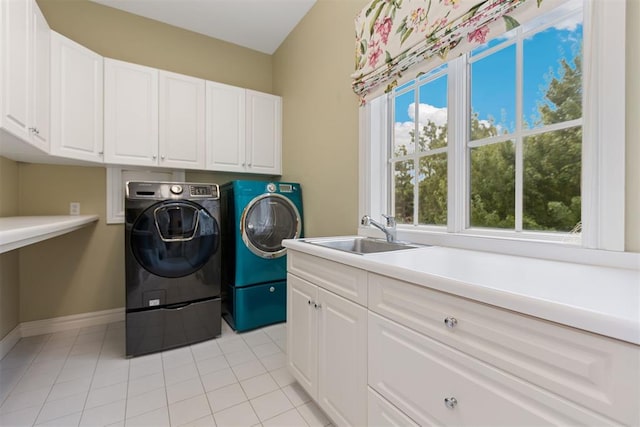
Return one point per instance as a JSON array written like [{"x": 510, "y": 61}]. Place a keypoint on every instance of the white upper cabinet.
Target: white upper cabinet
[
  {"x": 264, "y": 133},
  {"x": 25, "y": 72},
  {"x": 153, "y": 117},
  {"x": 244, "y": 130},
  {"x": 225, "y": 128},
  {"x": 130, "y": 113},
  {"x": 182, "y": 121},
  {"x": 76, "y": 100}
]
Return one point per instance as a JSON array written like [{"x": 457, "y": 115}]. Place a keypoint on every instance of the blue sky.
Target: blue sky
[{"x": 542, "y": 55}]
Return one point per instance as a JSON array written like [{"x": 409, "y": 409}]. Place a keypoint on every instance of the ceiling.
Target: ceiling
[{"x": 260, "y": 25}]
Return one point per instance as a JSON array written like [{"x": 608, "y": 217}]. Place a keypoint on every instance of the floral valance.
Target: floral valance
[{"x": 394, "y": 36}]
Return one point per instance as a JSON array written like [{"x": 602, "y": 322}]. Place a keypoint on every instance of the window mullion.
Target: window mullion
[
  {"x": 457, "y": 175},
  {"x": 416, "y": 161},
  {"x": 519, "y": 141}
]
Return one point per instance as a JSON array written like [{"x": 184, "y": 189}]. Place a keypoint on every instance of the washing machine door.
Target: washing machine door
[
  {"x": 174, "y": 238},
  {"x": 266, "y": 221}
]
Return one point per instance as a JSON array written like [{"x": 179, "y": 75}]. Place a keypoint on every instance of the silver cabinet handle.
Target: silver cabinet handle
[
  {"x": 450, "y": 402},
  {"x": 272, "y": 289},
  {"x": 316, "y": 305},
  {"x": 154, "y": 157},
  {"x": 451, "y": 322},
  {"x": 101, "y": 153},
  {"x": 162, "y": 157},
  {"x": 309, "y": 302}
]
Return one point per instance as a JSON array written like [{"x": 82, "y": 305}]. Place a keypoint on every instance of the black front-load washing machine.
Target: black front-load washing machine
[{"x": 172, "y": 263}]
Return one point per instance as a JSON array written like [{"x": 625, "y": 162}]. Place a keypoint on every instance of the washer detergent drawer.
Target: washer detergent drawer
[
  {"x": 158, "y": 329},
  {"x": 260, "y": 305}
]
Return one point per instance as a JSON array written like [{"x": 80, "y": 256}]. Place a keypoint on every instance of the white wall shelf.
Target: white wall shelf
[{"x": 19, "y": 231}]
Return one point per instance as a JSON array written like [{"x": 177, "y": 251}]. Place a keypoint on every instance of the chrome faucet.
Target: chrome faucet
[{"x": 389, "y": 228}]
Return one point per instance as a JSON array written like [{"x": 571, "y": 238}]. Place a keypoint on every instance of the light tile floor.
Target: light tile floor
[{"x": 81, "y": 377}]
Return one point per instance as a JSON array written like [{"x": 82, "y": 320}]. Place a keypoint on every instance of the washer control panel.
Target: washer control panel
[{"x": 170, "y": 190}]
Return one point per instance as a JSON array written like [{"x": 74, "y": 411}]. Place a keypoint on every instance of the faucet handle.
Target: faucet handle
[
  {"x": 366, "y": 220},
  {"x": 390, "y": 220}
]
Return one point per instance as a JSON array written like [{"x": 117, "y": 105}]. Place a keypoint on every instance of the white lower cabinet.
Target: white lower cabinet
[
  {"x": 432, "y": 358},
  {"x": 588, "y": 370},
  {"x": 381, "y": 413},
  {"x": 327, "y": 350},
  {"x": 437, "y": 385}
]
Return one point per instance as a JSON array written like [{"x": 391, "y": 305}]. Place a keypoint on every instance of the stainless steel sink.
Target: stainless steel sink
[{"x": 363, "y": 245}]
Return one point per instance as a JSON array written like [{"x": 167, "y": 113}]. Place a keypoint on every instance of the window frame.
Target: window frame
[{"x": 603, "y": 172}]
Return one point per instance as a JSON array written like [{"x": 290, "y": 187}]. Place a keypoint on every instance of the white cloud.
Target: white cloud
[{"x": 426, "y": 113}]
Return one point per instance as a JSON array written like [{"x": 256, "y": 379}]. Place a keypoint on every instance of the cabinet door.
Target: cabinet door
[
  {"x": 181, "y": 124},
  {"x": 76, "y": 100},
  {"x": 342, "y": 366},
  {"x": 302, "y": 333},
  {"x": 41, "y": 79},
  {"x": 24, "y": 72},
  {"x": 15, "y": 41},
  {"x": 264, "y": 133},
  {"x": 225, "y": 128},
  {"x": 130, "y": 113}
]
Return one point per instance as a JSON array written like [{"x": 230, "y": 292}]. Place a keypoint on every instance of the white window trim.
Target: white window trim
[{"x": 603, "y": 172}]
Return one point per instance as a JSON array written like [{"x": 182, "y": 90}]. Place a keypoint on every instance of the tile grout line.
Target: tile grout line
[
  {"x": 84, "y": 406},
  {"x": 262, "y": 339},
  {"x": 41, "y": 347},
  {"x": 56, "y": 379}
]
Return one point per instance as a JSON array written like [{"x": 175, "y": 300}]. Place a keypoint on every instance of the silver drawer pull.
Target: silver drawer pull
[
  {"x": 451, "y": 322},
  {"x": 316, "y": 305},
  {"x": 273, "y": 289},
  {"x": 309, "y": 302},
  {"x": 450, "y": 402}
]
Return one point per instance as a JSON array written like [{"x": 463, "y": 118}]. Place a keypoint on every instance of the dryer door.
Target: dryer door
[
  {"x": 266, "y": 221},
  {"x": 174, "y": 238}
]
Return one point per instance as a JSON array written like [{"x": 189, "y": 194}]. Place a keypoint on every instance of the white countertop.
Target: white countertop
[
  {"x": 19, "y": 231},
  {"x": 598, "y": 299}
]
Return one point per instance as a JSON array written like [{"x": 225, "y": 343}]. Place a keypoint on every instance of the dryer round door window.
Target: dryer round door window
[
  {"x": 267, "y": 220},
  {"x": 174, "y": 238}
]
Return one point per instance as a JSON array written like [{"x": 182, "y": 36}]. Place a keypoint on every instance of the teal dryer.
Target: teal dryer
[{"x": 256, "y": 217}]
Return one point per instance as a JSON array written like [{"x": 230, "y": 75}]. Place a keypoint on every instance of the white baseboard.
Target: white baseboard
[
  {"x": 9, "y": 341},
  {"x": 59, "y": 324},
  {"x": 64, "y": 323}
]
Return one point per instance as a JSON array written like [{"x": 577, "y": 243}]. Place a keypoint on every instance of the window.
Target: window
[{"x": 491, "y": 144}]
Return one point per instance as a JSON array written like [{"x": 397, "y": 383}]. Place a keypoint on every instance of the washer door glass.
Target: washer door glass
[
  {"x": 174, "y": 239},
  {"x": 267, "y": 220}
]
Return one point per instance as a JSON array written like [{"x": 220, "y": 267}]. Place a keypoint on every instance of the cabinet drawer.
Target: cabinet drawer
[
  {"x": 348, "y": 282},
  {"x": 420, "y": 375},
  {"x": 383, "y": 414},
  {"x": 595, "y": 371}
]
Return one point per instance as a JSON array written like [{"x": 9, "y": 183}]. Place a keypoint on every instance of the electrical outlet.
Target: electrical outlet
[{"x": 74, "y": 208}]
